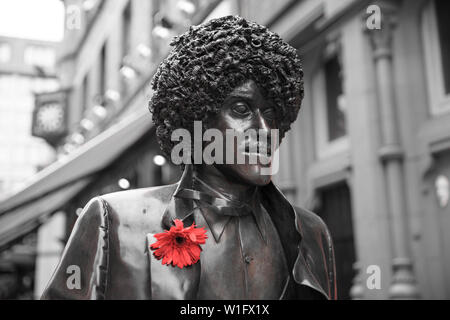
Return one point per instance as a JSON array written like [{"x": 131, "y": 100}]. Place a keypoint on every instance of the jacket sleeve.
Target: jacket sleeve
[{"x": 83, "y": 269}]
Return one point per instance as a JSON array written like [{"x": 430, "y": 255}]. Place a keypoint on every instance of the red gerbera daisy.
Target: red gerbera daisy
[{"x": 179, "y": 246}]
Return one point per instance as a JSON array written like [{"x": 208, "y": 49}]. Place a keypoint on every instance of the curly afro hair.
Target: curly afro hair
[{"x": 209, "y": 61}]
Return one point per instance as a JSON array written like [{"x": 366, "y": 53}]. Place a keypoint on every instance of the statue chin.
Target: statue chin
[{"x": 249, "y": 174}]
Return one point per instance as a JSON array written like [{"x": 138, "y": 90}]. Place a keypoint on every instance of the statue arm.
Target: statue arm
[{"x": 83, "y": 269}]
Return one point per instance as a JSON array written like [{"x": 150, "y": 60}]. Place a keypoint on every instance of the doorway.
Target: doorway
[{"x": 335, "y": 209}]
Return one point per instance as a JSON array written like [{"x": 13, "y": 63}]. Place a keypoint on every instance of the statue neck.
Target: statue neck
[{"x": 212, "y": 178}]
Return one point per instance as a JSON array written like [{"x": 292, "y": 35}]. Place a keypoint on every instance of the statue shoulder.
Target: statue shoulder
[
  {"x": 117, "y": 219},
  {"x": 138, "y": 207},
  {"x": 310, "y": 223}
]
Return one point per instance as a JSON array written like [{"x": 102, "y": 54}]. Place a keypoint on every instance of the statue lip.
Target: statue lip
[
  {"x": 263, "y": 153},
  {"x": 262, "y": 149}
]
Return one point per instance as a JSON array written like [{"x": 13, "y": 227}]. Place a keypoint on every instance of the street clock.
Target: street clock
[{"x": 49, "y": 116}]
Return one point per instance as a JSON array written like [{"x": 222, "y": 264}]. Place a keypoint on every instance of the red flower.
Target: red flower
[{"x": 179, "y": 246}]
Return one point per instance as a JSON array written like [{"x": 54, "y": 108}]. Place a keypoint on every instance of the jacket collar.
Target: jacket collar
[{"x": 282, "y": 213}]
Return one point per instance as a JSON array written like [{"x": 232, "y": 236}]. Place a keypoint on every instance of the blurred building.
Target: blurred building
[
  {"x": 369, "y": 152},
  {"x": 27, "y": 67}
]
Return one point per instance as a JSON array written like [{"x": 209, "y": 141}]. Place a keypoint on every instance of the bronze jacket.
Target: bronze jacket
[{"x": 108, "y": 257}]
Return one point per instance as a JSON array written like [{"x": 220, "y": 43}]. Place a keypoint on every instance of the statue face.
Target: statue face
[{"x": 243, "y": 109}]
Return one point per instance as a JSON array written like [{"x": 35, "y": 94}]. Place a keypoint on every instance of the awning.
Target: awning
[
  {"x": 91, "y": 157},
  {"x": 54, "y": 186},
  {"x": 24, "y": 219}
]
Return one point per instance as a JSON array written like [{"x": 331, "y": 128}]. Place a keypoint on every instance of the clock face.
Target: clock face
[{"x": 49, "y": 118}]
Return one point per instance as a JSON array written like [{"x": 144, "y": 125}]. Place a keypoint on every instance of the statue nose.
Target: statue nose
[
  {"x": 262, "y": 127},
  {"x": 262, "y": 123}
]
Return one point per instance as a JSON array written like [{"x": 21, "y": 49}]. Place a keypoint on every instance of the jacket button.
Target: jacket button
[{"x": 248, "y": 259}]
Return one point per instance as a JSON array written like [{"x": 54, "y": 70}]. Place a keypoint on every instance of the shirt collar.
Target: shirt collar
[{"x": 218, "y": 216}]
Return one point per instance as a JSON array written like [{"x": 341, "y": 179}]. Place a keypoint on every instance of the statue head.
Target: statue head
[{"x": 228, "y": 73}]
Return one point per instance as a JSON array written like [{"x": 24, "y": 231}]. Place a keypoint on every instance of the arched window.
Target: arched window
[
  {"x": 436, "y": 42},
  {"x": 330, "y": 104}
]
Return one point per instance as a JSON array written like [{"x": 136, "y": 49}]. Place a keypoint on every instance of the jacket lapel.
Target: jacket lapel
[{"x": 168, "y": 282}]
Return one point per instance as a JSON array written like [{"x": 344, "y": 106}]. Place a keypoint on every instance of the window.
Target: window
[
  {"x": 329, "y": 106},
  {"x": 5, "y": 52},
  {"x": 126, "y": 32},
  {"x": 436, "y": 41},
  {"x": 126, "y": 43},
  {"x": 85, "y": 93},
  {"x": 103, "y": 70},
  {"x": 335, "y": 100},
  {"x": 442, "y": 11}
]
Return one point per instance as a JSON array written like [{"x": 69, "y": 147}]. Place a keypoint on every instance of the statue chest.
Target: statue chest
[{"x": 245, "y": 262}]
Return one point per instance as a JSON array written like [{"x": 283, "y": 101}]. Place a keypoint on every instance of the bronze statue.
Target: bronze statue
[{"x": 224, "y": 231}]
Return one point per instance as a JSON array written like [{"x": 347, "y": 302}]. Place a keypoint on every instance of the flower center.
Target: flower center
[{"x": 180, "y": 240}]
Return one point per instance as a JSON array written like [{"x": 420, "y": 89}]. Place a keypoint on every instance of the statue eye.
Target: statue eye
[{"x": 241, "y": 109}]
